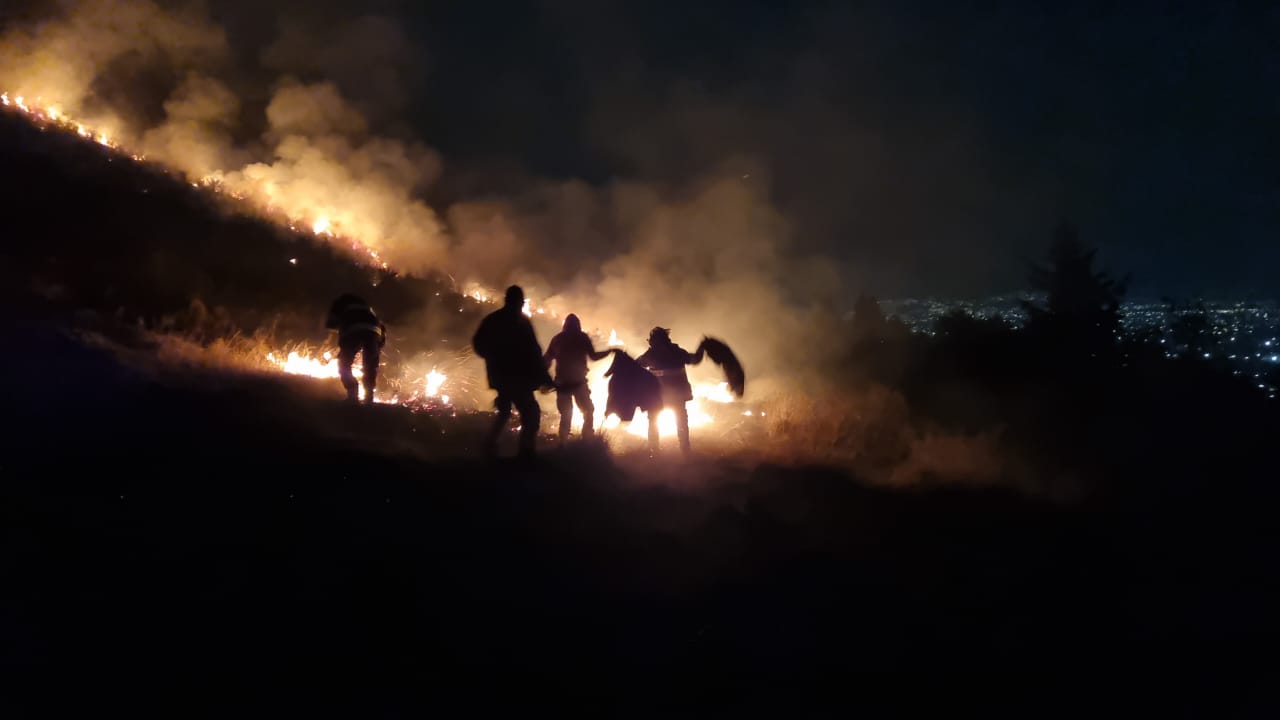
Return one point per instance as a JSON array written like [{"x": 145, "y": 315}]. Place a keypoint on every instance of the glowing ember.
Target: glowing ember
[
  {"x": 706, "y": 397},
  {"x": 717, "y": 392},
  {"x": 265, "y": 194},
  {"x": 667, "y": 421},
  {"x": 296, "y": 363},
  {"x": 324, "y": 367},
  {"x": 434, "y": 380},
  {"x": 262, "y": 198}
]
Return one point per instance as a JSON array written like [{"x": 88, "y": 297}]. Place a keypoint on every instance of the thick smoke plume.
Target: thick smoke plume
[
  {"x": 710, "y": 257},
  {"x": 298, "y": 132},
  {"x": 167, "y": 82},
  {"x": 306, "y": 124}
]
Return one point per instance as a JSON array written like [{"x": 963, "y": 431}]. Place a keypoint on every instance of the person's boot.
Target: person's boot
[
  {"x": 353, "y": 394},
  {"x": 368, "y": 396}
]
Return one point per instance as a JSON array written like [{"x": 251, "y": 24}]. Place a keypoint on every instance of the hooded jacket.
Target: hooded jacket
[
  {"x": 351, "y": 316},
  {"x": 570, "y": 349}
]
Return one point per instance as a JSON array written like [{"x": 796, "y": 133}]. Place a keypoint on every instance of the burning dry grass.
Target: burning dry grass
[
  {"x": 869, "y": 431},
  {"x": 244, "y": 353}
]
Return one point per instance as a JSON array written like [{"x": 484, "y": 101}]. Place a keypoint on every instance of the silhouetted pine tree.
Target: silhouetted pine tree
[{"x": 1081, "y": 313}]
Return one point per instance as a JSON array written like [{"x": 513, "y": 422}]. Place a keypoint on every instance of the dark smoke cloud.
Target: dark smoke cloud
[
  {"x": 932, "y": 148},
  {"x": 168, "y": 79},
  {"x": 369, "y": 57},
  {"x": 306, "y": 119},
  {"x": 738, "y": 162}
]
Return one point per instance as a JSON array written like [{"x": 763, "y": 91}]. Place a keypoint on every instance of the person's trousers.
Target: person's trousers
[
  {"x": 682, "y": 426},
  {"x": 530, "y": 419},
  {"x": 369, "y": 346},
  {"x": 565, "y": 398}
]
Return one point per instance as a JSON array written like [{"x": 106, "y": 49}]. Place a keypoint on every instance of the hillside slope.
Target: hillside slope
[
  {"x": 96, "y": 230},
  {"x": 246, "y": 537}
]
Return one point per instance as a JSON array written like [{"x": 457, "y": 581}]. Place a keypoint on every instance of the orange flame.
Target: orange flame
[{"x": 706, "y": 395}]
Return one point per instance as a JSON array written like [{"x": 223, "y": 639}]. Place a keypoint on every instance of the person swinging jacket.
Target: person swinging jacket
[{"x": 667, "y": 361}]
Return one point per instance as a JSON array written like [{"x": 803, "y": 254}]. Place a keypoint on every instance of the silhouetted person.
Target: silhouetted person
[
  {"x": 570, "y": 349},
  {"x": 666, "y": 360},
  {"x": 359, "y": 331},
  {"x": 513, "y": 363}
]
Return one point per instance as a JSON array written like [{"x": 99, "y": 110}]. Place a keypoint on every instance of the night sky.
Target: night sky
[{"x": 930, "y": 148}]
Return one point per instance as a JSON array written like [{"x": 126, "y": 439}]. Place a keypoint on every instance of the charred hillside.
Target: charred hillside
[{"x": 92, "y": 228}]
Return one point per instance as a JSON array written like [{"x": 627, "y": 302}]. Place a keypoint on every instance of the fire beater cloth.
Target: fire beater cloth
[
  {"x": 631, "y": 388},
  {"x": 721, "y": 355}
]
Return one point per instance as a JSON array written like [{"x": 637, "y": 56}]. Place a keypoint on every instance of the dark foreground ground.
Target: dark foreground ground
[{"x": 234, "y": 539}]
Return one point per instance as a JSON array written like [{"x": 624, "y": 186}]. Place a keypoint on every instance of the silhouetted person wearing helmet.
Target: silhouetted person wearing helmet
[
  {"x": 513, "y": 362},
  {"x": 359, "y": 331},
  {"x": 570, "y": 349},
  {"x": 667, "y": 360}
]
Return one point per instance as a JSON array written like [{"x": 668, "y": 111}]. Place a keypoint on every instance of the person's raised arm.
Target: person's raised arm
[
  {"x": 552, "y": 351},
  {"x": 696, "y": 357},
  {"x": 591, "y": 352}
]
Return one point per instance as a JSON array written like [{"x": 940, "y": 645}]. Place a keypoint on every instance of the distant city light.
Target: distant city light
[{"x": 1223, "y": 323}]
